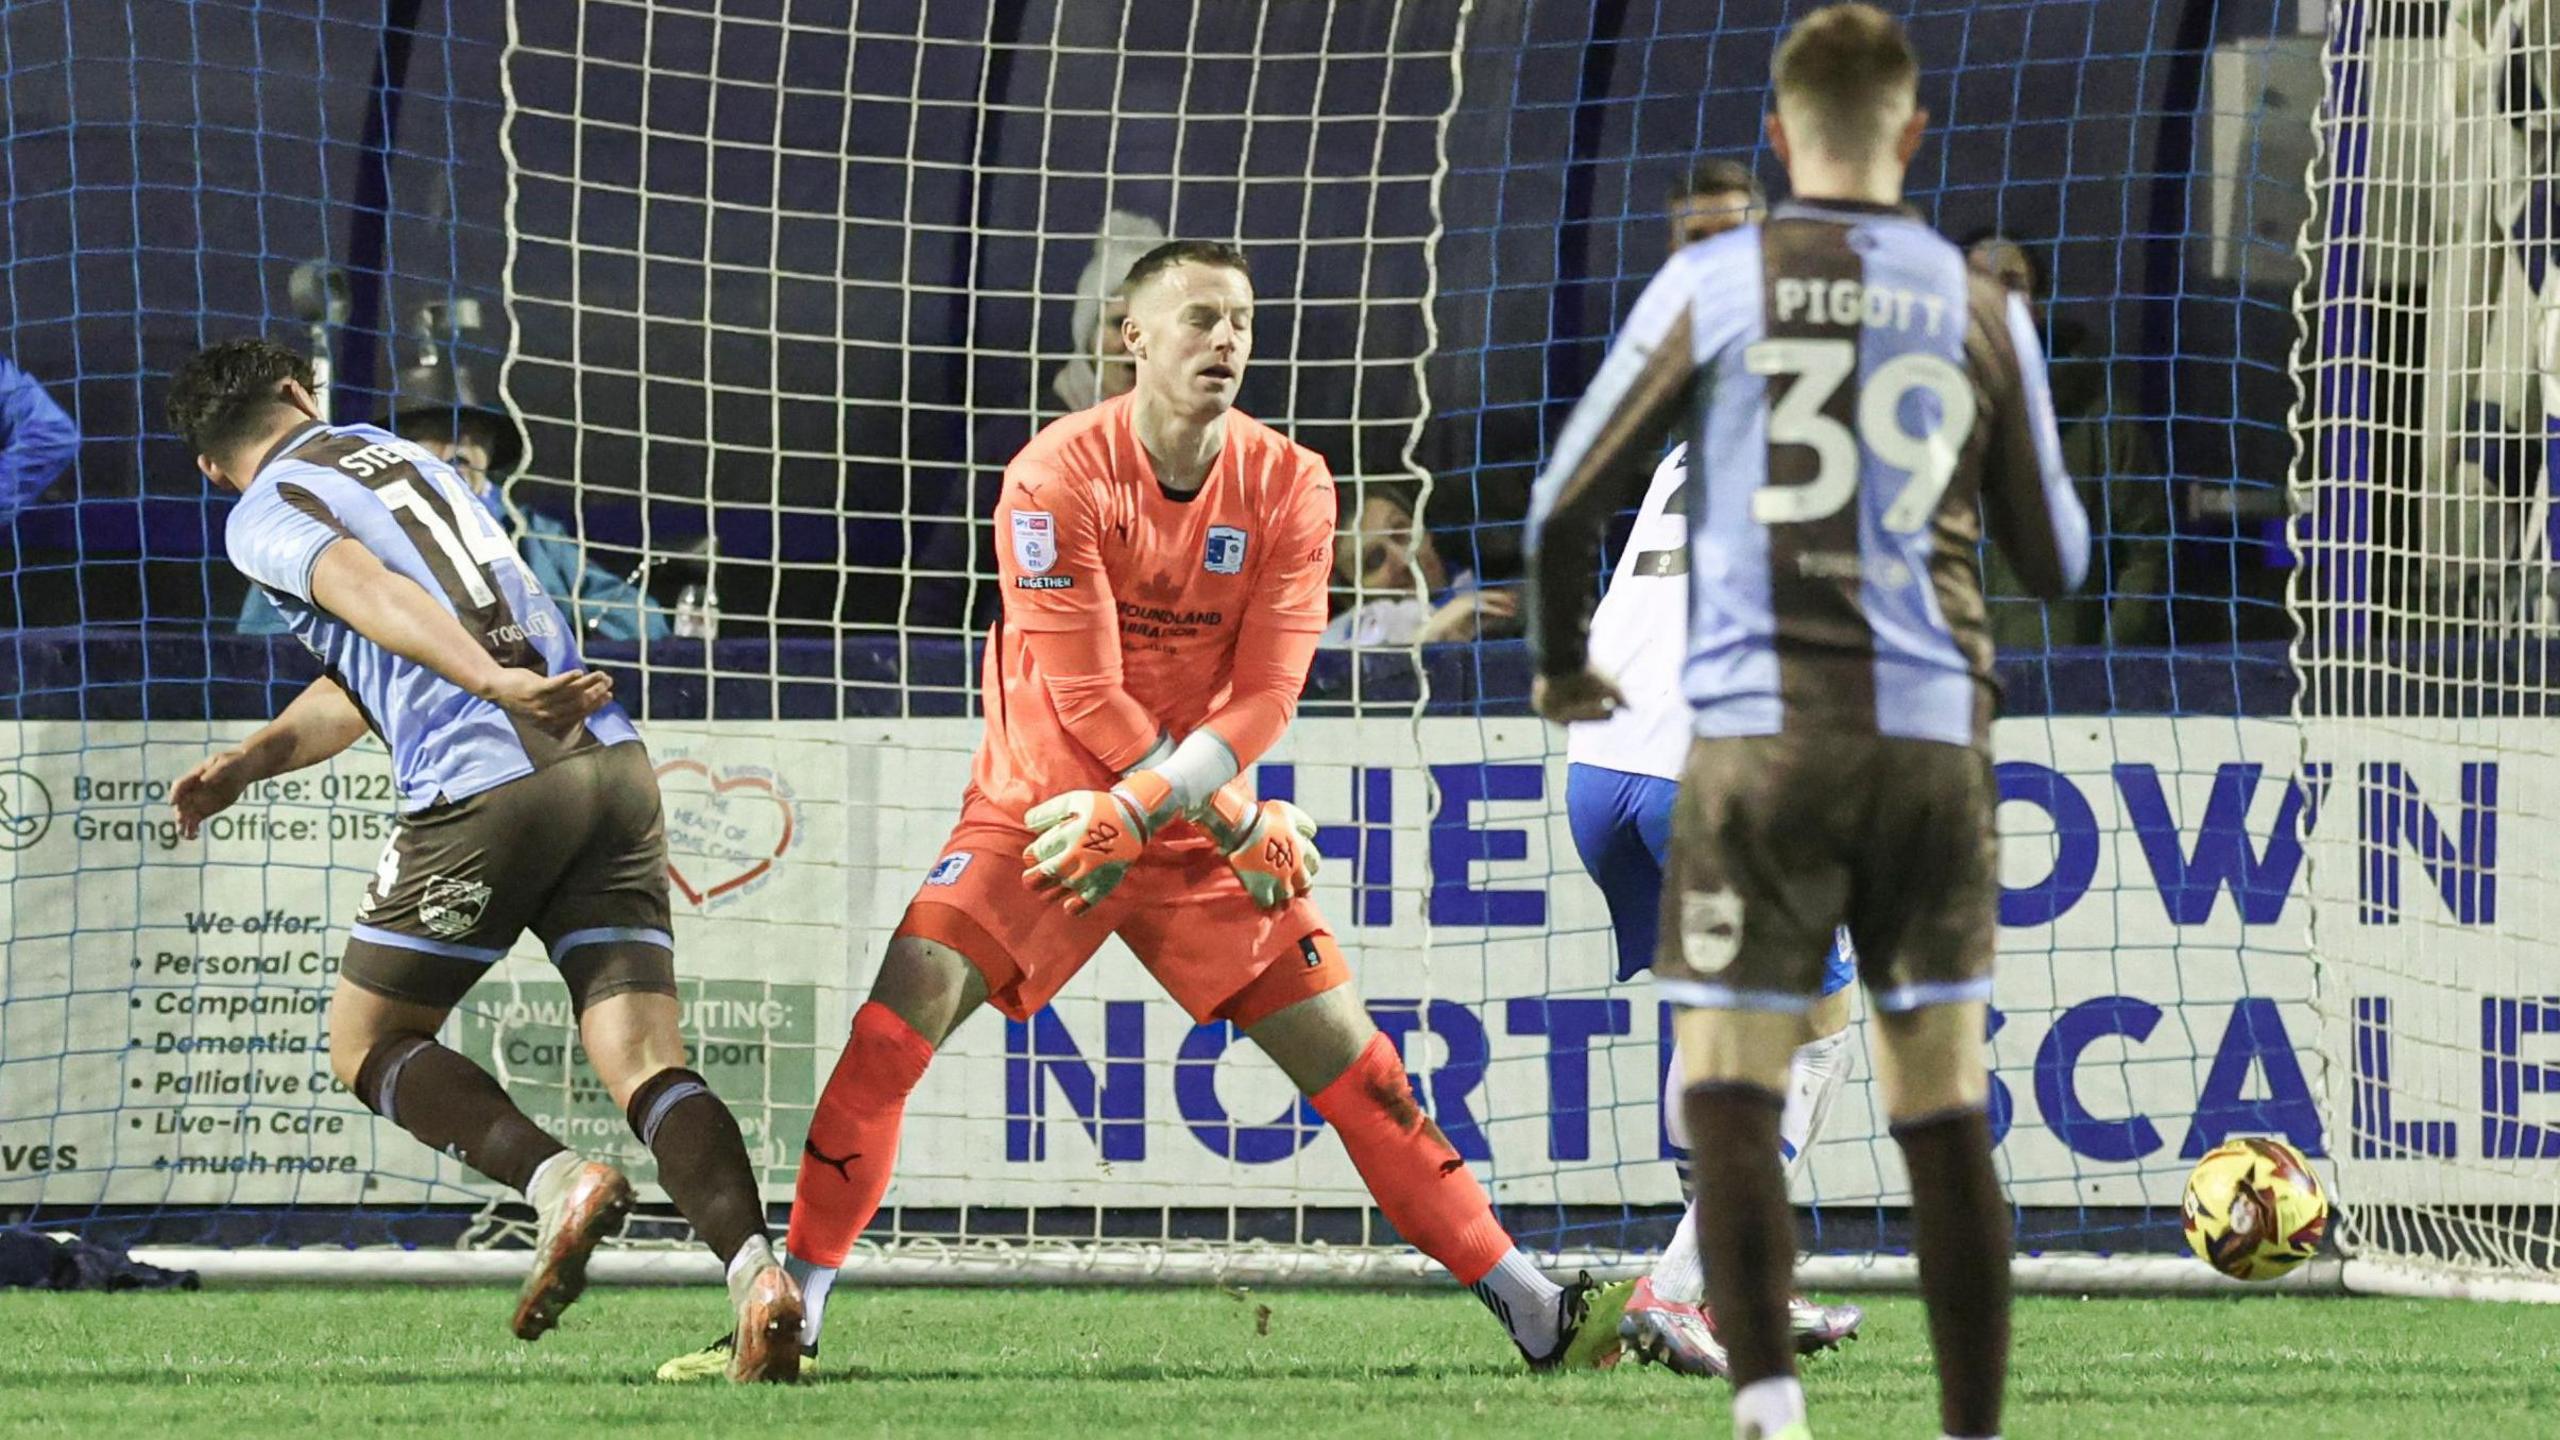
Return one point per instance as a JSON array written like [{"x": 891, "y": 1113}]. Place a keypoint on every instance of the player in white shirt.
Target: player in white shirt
[{"x": 1623, "y": 778}]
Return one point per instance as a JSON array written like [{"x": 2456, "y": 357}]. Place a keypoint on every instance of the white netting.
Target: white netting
[
  {"x": 2425, "y": 600},
  {"x": 784, "y": 284},
  {"x": 806, "y": 283}
]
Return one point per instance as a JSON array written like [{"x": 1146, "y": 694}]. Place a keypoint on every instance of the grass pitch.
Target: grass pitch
[{"x": 250, "y": 1364}]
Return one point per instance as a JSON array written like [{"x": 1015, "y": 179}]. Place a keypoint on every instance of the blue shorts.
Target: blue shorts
[{"x": 1622, "y": 830}]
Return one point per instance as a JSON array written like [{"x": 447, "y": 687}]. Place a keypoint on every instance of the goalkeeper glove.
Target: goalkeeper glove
[
  {"x": 1084, "y": 841},
  {"x": 1271, "y": 845}
]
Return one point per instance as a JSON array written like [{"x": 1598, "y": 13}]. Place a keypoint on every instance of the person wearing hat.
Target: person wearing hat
[{"x": 486, "y": 446}]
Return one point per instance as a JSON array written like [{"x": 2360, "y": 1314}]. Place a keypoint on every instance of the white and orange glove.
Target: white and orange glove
[
  {"x": 1270, "y": 844},
  {"x": 1084, "y": 841}
]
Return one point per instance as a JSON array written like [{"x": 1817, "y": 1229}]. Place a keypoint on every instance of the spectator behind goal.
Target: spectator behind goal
[
  {"x": 1383, "y": 553},
  {"x": 2114, "y": 462}
]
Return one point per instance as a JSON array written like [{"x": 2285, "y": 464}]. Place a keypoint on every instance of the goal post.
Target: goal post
[{"x": 780, "y": 288}]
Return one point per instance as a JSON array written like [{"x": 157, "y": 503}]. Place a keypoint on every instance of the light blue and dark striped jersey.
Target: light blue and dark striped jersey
[
  {"x": 326, "y": 483},
  {"x": 1860, "y": 404}
]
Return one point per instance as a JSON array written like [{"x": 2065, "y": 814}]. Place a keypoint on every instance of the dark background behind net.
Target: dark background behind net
[{"x": 836, "y": 313}]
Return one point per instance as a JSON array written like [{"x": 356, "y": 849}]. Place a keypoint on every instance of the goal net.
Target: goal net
[
  {"x": 2427, "y": 615},
  {"x": 775, "y": 291}
]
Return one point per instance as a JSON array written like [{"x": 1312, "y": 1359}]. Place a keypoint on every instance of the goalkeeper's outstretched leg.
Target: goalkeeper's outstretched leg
[
  {"x": 1340, "y": 1060},
  {"x": 924, "y": 991},
  {"x": 1291, "y": 998}
]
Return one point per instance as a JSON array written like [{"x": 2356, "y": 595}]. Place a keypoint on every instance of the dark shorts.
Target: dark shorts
[
  {"x": 1779, "y": 839},
  {"x": 576, "y": 852}
]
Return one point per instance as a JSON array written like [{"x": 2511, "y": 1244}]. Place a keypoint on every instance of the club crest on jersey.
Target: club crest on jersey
[
  {"x": 1225, "y": 552},
  {"x": 1035, "y": 541},
  {"x": 451, "y": 906},
  {"x": 946, "y": 871}
]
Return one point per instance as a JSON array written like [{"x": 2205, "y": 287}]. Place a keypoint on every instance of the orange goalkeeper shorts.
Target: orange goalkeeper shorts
[{"x": 1181, "y": 910}]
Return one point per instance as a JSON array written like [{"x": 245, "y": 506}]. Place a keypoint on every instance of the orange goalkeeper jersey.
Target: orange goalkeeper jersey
[{"x": 1131, "y": 611}]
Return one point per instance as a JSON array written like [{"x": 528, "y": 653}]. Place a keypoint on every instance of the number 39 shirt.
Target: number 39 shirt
[
  {"x": 323, "y": 484},
  {"x": 1862, "y": 403}
]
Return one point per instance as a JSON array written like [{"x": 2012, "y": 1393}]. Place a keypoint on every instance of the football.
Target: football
[{"x": 2254, "y": 1210}]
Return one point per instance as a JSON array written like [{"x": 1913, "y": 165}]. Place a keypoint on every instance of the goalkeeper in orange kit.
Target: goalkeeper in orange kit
[{"x": 1163, "y": 560}]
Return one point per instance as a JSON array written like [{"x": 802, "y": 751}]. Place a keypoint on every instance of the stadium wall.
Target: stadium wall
[{"x": 2151, "y": 883}]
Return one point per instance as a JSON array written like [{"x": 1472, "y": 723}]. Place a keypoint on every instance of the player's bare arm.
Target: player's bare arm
[
  {"x": 321, "y": 722},
  {"x": 1568, "y": 699},
  {"x": 393, "y": 612}
]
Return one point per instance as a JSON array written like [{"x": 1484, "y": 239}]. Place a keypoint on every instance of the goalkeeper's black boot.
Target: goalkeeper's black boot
[{"x": 1586, "y": 1326}]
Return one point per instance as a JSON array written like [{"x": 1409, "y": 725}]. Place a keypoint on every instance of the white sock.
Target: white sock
[
  {"x": 1521, "y": 1296},
  {"x": 753, "y": 1256},
  {"x": 815, "y": 1281},
  {"x": 1681, "y": 1274},
  {"x": 1765, "y": 1407},
  {"x": 1675, "y": 1103},
  {"x": 533, "y": 1184},
  {"x": 1814, "y": 1076}
]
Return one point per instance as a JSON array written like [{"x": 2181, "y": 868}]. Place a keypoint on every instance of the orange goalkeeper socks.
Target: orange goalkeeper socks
[
  {"x": 1415, "y": 1174},
  {"x": 853, "y": 1138}
]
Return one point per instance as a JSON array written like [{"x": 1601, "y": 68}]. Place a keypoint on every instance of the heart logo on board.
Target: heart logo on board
[{"x": 726, "y": 829}]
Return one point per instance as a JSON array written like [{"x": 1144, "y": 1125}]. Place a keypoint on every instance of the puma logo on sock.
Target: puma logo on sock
[{"x": 843, "y": 1166}]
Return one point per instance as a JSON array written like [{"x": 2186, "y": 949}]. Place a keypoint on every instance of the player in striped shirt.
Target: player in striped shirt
[
  {"x": 1862, "y": 406},
  {"x": 1619, "y": 787},
  {"x": 526, "y": 803}
]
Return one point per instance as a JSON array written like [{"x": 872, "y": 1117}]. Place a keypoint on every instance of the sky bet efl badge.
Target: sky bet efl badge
[
  {"x": 1035, "y": 541},
  {"x": 1225, "y": 554}
]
